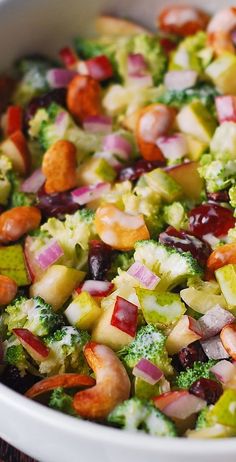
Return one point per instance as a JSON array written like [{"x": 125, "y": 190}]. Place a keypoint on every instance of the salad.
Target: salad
[{"x": 118, "y": 226}]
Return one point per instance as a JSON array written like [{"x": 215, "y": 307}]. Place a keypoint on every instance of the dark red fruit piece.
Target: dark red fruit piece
[
  {"x": 220, "y": 196},
  {"x": 211, "y": 219},
  {"x": 207, "y": 389},
  {"x": 188, "y": 356},
  {"x": 12, "y": 379},
  {"x": 99, "y": 260},
  {"x": 168, "y": 44},
  {"x": 54, "y": 96},
  {"x": 186, "y": 242},
  {"x": 134, "y": 171},
  {"x": 56, "y": 205}
]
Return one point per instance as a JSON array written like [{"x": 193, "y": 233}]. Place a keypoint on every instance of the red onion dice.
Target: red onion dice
[
  {"x": 214, "y": 349},
  {"x": 49, "y": 254},
  {"x": 147, "y": 371},
  {"x": 98, "y": 124},
  {"x": 59, "y": 78},
  {"x": 34, "y": 182},
  {"x": 143, "y": 275},
  {"x": 224, "y": 371},
  {"x": 214, "y": 320},
  {"x": 180, "y": 80},
  {"x": 86, "y": 194},
  {"x": 173, "y": 147}
]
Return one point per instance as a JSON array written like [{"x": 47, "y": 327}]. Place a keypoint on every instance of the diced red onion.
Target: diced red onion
[
  {"x": 214, "y": 349},
  {"x": 224, "y": 371},
  {"x": 214, "y": 320},
  {"x": 98, "y": 124},
  {"x": 59, "y": 78},
  {"x": 173, "y": 147},
  {"x": 97, "y": 288},
  {"x": 226, "y": 108},
  {"x": 61, "y": 123},
  {"x": 180, "y": 80},
  {"x": 140, "y": 80},
  {"x": 34, "y": 182},
  {"x": 117, "y": 144},
  {"x": 147, "y": 371},
  {"x": 136, "y": 64},
  {"x": 143, "y": 275},
  {"x": 185, "y": 406},
  {"x": 125, "y": 316},
  {"x": 113, "y": 159},
  {"x": 86, "y": 194},
  {"x": 49, "y": 254}
]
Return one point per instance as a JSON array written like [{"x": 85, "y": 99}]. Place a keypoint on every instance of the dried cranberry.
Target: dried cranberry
[
  {"x": 169, "y": 44},
  {"x": 56, "y": 205},
  {"x": 207, "y": 389},
  {"x": 12, "y": 379},
  {"x": 188, "y": 355},
  {"x": 134, "y": 171},
  {"x": 54, "y": 96},
  {"x": 99, "y": 260},
  {"x": 220, "y": 196},
  {"x": 186, "y": 242},
  {"x": 211, "y": 219}
]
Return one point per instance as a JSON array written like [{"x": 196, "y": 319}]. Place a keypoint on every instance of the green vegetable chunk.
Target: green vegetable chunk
[
  {"x": 163, "y": 309},
  {"x": 186, "y": 378},
  {"x": 12, "y": 264},
  {"x": 62, "y": 401}
]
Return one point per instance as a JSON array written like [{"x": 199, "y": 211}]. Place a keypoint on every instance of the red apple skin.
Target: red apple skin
[
  {"x": 228, "y": 338},
  {"x": 20, "y": 142},
  {"x": 162, "y": 401},
  {"x": 33, "y": 345},
  {"x": 226, "y": 108},
  {"x": 16, "y": 149},
  {"x": 33, "y": 268},
  {"x": 187, "y": 176},
  {"x": 186, "y": 331}
]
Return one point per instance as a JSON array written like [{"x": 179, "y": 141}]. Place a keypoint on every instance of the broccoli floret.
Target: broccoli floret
[
  {"x": 5, "y": 184},
  {"x": 175, "y": 215},
  {"x": 33, "y": 314},
  {"x": 45, "y": 130},
  {"x": 188, "y": 54},
  {"x": 73, "y": 235},
  {"x": 218, "y": 174},
  {"x": 31, "y": 73},
  {"x": 18, "y": 198},
  {"x": 66, "y": 351},
  {"x": 62, "y": 401},
  {"x": 149, "y": 46},
  {"x": 202, "y": 421},
  {"x": 15, "y": 354},
  {"x": 186, "y": 378},
  {"x": 135, "y": 414},
  {"x": 149, "y": 343},
  {"x": 172, "y": 266},
  {"x": 121, "y": 260},
  {"x": 204, "y": 93}
]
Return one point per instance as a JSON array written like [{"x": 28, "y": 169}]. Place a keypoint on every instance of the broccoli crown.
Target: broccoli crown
[
  {"x": 149, "y": 46},
  {"x": 33, "y": 314},
  {"x": 204, "y": 93},
  {"x": 41, "y": 319},
  {"x": 66, "y": 351},
  {"x": 202, "y": 421},
  {"x": 17, "y": 356},
  {"x": 149, "y": 343},
  {"x": 62, "y": 401},
  {"x": 122, "y": 261},
  {"x": 199, "y": 370},
  {"x": 18, "y": 198},
  {"x": 31, "y": 72},
  {"x": 218, "y": 173},
  {"x": 135, "y": 414},
  {"x": 5, "y": 185},
  {"x": 173, "y": 266}
]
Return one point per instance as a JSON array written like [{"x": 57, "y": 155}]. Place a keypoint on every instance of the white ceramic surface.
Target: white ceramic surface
[{"x": 46, "y": 25}]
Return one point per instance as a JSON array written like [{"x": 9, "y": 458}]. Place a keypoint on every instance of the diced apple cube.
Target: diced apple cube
[
  {"x": 226, "y": 108},
  {"x": 194, "y": 119},
  {"x": 186, "y": 331},
  {"x": 187, "y": 176},
  {"x": 83, "y": 311},
  {"x": 222, "y": 73},
  {"x": 226, "y": 277}
]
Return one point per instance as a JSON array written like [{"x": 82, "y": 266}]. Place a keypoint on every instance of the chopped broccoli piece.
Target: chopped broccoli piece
[
  {"x": 31, "y": 72},
  {"x": 149, "y": 343},
  {"x": 121, "y": 260},
  {"x": 135, "y": 414},
  {"x": 202, "y": 420},
  {"x": 62, "y": 401},
  {"x": 149, "y": 46},
  {"x": 185, "y": 378},
  {"x": 18, "y": 198},
  {"x": 15, "y": 355},
  {"x": 5, "y": 184},
  {"x": 204, "y": 93},
  {"x": 33, "y": 314},
  {"x": 172, "y": 266},
  {"x": 218, "y": 173},
  {"x": 66, "y": 351},
  {"x": 73, "y": 234}
]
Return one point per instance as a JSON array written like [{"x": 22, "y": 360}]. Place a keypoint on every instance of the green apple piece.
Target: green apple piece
[
  {"x": 222, "y": 73},
  {"x": 109, "y": 335},
  {"x": 12, "y": 264},
  {"x": 224, "y": 411},
  {"x": 188, "y": 177},
  {"x": 162, "y": 309},
  {"x": 195, "y": 120},
  {"x": 216, "y": 431},
  {"x": 56, "y": 285},
  {"x": 226, "y": 277},
  {"x": 201, "y": 300},
  {"x": 95, "y": 171},
  {"x": 162, "y": 183},
  {"x": 195, "y": 147},
  {"x": 145, "y": 390},
  {"x": 83, "y": 311}
]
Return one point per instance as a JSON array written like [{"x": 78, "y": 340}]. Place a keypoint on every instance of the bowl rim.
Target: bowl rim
[{"x": 103, "y": 434}]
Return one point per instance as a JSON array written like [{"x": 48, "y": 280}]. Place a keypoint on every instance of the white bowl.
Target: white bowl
[{"x": 46, "y": 25}]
